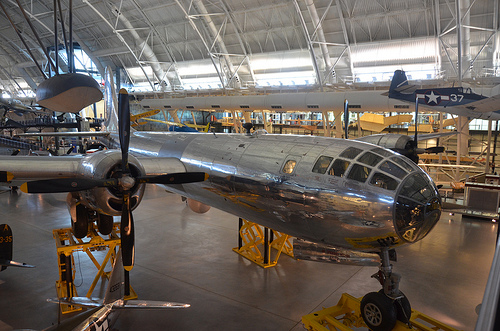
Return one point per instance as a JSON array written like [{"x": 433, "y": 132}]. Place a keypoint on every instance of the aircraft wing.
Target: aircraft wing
[
  {"x": 9, "y": 263},
  {"x": 487, "y": 105},
  {"x": 25, "y": 168},
  {"x": 64, "y": 134},
  {"x": 78, "y": 301},
  {"x": 427, "y": 136}
]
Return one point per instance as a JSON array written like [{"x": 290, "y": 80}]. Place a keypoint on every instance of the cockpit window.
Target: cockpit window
[
  {"x": 289, "y": 166},
  {"x": 359, "y": 172},
  {"x": 403, "y": 164},
  {"x": 351, "y": 152},
  {"x": 338, "y": 167},
  {"x": 417, "y": 188},
  {"x": 370, "y": 159},
  {"x": 392, "y": 169},
  {"x": 383, "y": 152},
  {"x": 322, "y": 164},
  {"x": 384, "y": 181}
]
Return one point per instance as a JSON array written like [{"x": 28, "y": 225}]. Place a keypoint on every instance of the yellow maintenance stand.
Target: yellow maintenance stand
[
  {"x": 346, "y": 315},
  {"x": 255, "y": 243},
  {"x": 67, "y": 244}
]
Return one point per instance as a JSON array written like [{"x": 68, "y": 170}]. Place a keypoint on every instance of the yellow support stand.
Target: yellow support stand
[
  {"x": 346, "y": 315},
  {"x": 254, "y": 238},
  {"x": 67, "y": 244}
]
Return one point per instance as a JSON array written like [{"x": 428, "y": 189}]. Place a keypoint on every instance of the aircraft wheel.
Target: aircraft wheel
[
  {"x": 378, "y": 312},
  {"x": 105, "y": 224},
  {"x": 81, "y": 226}
]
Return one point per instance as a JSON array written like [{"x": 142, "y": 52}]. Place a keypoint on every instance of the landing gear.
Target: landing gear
[
  {"x": 380, "y": 310},
  {"x": 85, "y": 216},
  {"x": 104, "y": 224},
  {"x": 80, "y": 226}
]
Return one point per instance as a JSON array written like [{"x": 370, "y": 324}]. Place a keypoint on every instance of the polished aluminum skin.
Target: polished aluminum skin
[
  {"x": 343, "y": 193},
  {"x": 364, "y": 198}
]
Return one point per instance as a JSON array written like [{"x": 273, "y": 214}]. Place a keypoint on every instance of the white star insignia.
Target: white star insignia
[{"x": 432, "y": 97}]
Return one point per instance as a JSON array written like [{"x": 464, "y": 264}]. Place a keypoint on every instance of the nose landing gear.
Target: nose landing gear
[{"x": 380, "y": 310}]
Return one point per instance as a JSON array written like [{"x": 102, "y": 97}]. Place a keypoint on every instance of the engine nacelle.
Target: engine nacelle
[
  {"x": 105, "y": 165},
  {"x": 197, "y": 206},
  {"x": 389, "y": 141}
]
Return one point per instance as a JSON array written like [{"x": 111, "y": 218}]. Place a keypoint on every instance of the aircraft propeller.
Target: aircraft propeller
[
  {"x": 124, "y": 183},
  {"x": 346, "y": 119},
  {"x": 411, "y": 149}
]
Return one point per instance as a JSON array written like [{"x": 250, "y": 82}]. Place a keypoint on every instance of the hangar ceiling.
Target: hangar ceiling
[{"x": 169, "y": 44}]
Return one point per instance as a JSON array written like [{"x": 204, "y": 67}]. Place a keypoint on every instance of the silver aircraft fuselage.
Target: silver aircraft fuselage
[{"x": 343, "y": 193}]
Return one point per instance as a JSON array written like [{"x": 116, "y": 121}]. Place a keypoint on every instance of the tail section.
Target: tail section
[
  {"x": 5, "y": 245},
  {"x": 115, "y": 289},
  {"x": 6, "y": 242},
  {"x": 398, "y": 80},
  {"x": 115, "y": 294}
]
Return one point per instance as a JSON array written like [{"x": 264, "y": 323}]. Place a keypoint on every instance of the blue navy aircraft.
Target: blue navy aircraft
[
  {"x": 454, "y": 100},
  {"x": 348, "y": 201}
]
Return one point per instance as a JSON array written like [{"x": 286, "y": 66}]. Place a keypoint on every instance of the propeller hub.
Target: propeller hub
[{"x": 126, "y": 182}]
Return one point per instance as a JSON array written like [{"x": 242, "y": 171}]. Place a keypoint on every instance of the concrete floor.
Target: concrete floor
[{"x": 186, "y": 257}]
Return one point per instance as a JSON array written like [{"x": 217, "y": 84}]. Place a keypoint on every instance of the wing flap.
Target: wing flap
[{"x": 155, "y": 166}]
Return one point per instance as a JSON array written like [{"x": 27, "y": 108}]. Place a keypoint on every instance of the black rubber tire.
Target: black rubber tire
[
  {"x": 378, "y": 312},
  {"x": 81, "y": 226},
  {"x": 105, "y": 224},
  {"x": 403, "y": 309}
]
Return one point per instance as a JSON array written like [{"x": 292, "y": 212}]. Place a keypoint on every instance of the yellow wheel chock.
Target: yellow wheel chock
[{"x": 347, "y": 315}]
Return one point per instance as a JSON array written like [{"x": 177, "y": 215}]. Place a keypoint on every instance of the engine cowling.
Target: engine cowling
[
  {"x": 389, "y": 141},
  {"x": 105, "y": 165}
]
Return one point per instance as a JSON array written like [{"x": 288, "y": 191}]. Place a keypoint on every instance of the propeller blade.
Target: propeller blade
[
  {"x": 175, "y": 178},
  {"x": 346, "y": 118},
  {"x": 124, "y": 127},
  {"x": 64, "y": 185},
  {"x": 6, "y": 176},
  {"x": 416, "y": 122},
  {"x": 437, "y": 149},
  {"x": 59, "y": 185},
  {"x": 127, "y": 233}
]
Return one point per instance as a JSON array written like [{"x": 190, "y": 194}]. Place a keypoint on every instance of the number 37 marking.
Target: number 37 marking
[{"x": 456, "y": 97}]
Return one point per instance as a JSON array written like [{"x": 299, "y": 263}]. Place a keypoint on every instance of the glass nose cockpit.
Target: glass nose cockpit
[
  {"x": 418, "y": 207},
  {"x": 416, "y": 199}
]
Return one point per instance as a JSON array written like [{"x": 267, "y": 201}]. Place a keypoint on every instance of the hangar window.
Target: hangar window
[
  {"x": 289, "y": 166},
  {"x": 351, "y": 152},
  {"x": 338, "y": 168},
  {"x": 392, "y": 169},
  {"x": 384, "y": 181},
  {"x": 359, "y": 172},
  {"x": 370, "y": 159},
  {"x": 322, "y": 164}
]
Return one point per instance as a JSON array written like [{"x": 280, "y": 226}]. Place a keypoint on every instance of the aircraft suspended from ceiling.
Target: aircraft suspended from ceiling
[
  {"x": 70, "y": 92},
  {"x": 455, "y": 100}
]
